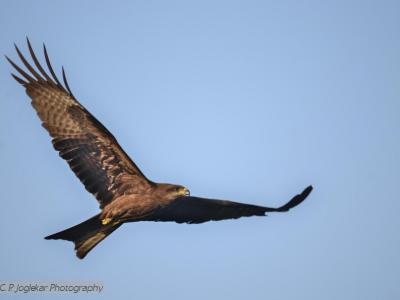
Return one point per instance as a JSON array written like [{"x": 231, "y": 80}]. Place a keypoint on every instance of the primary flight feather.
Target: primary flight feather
[{"x": 94, "y": 155}]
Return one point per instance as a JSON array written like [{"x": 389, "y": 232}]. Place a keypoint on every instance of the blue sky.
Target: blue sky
[{"x": 244, "y": 100}]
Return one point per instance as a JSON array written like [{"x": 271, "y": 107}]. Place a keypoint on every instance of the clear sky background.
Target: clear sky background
[{"x": 244, "y": 100}]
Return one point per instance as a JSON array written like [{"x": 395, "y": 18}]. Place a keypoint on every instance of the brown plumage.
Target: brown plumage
[{"x": 94, "y": 155}]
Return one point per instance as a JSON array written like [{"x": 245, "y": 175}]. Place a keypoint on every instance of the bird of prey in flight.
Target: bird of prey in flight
[{"x": 94, "y": 155}]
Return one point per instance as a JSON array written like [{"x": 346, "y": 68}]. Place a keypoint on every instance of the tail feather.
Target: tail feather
[{"x": 85, "y": 235}]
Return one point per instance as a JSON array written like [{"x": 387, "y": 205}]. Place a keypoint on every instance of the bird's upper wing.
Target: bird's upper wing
[
  {"x": 91, "y": 151},
  {"x": 199, "y": 210}
]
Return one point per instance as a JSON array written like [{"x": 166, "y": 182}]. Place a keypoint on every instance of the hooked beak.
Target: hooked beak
[
  {"x": 187, "y": 192},
  {"x": 184, "y": 192}
]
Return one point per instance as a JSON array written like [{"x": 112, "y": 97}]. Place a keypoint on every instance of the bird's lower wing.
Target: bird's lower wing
[{"x": 198, "y": 210}]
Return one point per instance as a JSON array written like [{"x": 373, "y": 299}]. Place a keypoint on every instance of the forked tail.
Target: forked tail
[{"x": 85, "y": 235}]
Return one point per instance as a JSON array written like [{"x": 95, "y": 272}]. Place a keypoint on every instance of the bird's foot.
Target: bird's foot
[{"x": 105, "y": 221}]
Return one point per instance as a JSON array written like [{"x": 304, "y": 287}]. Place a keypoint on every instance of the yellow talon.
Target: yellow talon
[{"x": 106, "y": 221}]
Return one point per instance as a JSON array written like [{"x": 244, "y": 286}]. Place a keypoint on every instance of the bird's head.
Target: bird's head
[
  {"x": 172, "y": 191},
  {"x": 180, "y": 191}
]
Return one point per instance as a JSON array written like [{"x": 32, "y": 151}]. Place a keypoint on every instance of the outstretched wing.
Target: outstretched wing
[
  {"x": 90, "y": 149},
  {"x": 199, "y": 210}
]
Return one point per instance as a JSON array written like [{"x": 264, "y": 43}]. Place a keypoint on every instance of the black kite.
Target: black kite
[{"x": 123, "y": 191}]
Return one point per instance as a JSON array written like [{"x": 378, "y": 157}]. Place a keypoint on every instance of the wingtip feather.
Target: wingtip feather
[
  {"x": 53, "y": 74},
  {"x": 296, "y": 200},
  {"x": 19, "y": 80}
]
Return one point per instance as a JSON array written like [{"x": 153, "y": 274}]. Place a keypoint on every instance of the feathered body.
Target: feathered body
[{"x": 94, "y": 155}]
